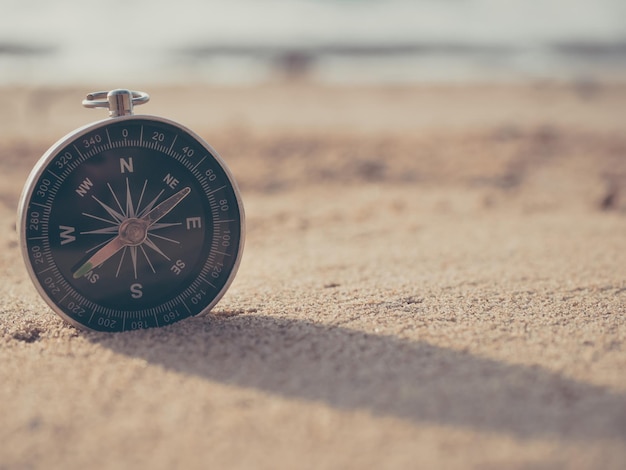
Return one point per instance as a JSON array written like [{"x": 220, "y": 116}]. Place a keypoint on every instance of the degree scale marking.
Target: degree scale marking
[
  {"x": 198, "y": 164},
  {"x": 54, "y": 174},
  {"x": 79, "y": 152},
  {"x": 173, "y": 141}
]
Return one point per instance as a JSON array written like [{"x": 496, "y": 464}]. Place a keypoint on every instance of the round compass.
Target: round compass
[{"x": 132, "y": 222}]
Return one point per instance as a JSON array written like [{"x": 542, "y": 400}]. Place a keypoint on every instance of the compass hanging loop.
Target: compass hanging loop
[{"x": 120, "y": 102}]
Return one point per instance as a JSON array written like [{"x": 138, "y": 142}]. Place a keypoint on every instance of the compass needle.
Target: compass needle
[
  {"x": 139, "y": 221},
  {"x": 94, "y": 248},
  {"x": 165, "y": 207},
  {"x": 151, "y": 204},
  {"x": 159, "y": 226},
  {"x": 100, "y": 256}
]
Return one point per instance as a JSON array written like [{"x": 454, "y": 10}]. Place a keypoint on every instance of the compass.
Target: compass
[{"x": 131, "y": 222}]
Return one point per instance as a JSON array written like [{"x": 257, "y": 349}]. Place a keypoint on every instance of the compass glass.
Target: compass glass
[{"x": 131, "y": 223}]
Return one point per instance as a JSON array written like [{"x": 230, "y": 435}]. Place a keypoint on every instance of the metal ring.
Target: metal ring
[{"x": 99, "y": 99}]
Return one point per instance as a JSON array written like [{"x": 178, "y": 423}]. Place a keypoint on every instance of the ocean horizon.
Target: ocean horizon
[{"x": 332, "y": 41}]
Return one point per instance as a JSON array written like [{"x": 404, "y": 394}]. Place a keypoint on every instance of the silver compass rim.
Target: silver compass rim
[{"x": 52, "y": 152}]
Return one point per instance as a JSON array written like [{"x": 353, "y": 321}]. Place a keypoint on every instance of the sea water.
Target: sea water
[{"x": 351, "y": 41}]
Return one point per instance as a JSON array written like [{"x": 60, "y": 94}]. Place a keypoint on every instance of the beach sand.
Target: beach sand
[{"x": 434, "y": 277}]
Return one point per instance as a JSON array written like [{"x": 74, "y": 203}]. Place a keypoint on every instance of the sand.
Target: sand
[{"x": 434, "y": 277}]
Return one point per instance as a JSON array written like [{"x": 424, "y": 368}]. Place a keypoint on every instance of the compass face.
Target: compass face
[{"x": 131, "y": 223}]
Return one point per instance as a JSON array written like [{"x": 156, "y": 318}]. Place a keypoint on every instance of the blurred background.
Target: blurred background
[{"x": 68, "y": 42}]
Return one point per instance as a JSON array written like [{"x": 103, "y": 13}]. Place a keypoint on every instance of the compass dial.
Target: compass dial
[{"x": 131, "y": 223}]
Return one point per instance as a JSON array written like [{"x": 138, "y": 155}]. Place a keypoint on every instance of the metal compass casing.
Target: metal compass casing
[{"x": 131, "y": 222}]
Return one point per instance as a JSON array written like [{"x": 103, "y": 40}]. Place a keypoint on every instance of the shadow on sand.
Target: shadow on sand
[{"x": 353, "y": 370}]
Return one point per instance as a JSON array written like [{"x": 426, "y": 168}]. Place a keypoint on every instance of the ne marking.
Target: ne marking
[
  {"x": 186, "y": 307},
  {"x": 108, "y": 137},
  {"x": 45, "y": 270},
  {"x": 40, "y": 205}
]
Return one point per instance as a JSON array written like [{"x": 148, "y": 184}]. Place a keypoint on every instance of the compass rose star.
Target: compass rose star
[{"x": 130, "y": 229}]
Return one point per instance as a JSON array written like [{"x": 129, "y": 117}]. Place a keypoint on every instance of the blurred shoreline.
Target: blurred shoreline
[
  {"x": 403, "y": 63},
  {"x": 381, "y": 42}
]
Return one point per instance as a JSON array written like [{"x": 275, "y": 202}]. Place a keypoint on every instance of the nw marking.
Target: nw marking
[
  {"x": 170, "y": 181},
  {"x": 84, "y": 187}
]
